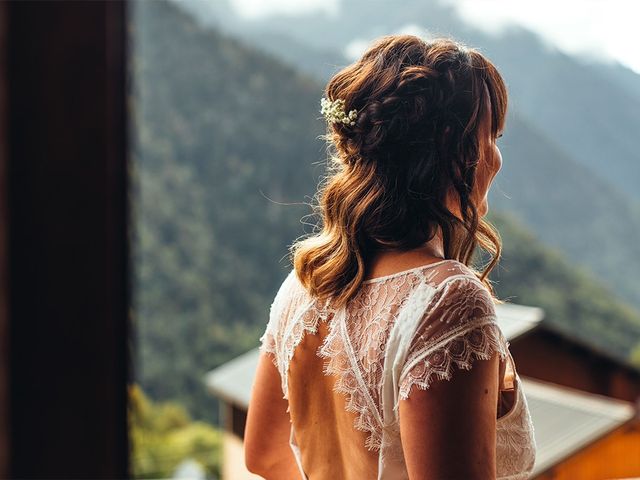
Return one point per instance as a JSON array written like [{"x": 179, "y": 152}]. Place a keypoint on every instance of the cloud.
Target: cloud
[
  {"x": 358, "y": 46},
  {"x": 602, "y": 30},
  {"x": 596, "y": 29},
  {"x": 252, "y": 9}
]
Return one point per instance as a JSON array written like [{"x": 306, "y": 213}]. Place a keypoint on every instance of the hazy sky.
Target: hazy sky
[{"x": 597, "y": 28}]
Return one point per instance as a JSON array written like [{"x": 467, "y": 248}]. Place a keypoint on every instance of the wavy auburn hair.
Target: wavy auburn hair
[{"x": 424, "y": 108}]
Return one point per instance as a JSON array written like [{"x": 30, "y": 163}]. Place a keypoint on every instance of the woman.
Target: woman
[{"x": 382, "y": 357}]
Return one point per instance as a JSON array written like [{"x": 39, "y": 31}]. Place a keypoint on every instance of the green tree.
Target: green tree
[{"x": 163, "y": 435}]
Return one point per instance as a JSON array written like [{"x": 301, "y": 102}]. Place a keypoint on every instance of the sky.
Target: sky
[{"x": 599, "y": 29}]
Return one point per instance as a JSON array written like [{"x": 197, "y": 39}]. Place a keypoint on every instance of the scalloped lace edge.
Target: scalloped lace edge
[
  {"x": 366, "y": 417},
  {"x": 493, "y": 340}
]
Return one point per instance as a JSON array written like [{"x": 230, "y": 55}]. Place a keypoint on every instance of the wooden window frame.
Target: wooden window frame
[{"x": 64, "y": 279}]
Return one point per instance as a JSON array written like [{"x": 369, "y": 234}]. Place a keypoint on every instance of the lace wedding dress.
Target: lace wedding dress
[{"x": 344, "y": 370}]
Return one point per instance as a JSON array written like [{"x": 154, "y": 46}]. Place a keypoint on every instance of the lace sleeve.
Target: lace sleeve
[
  {"x": 269, "y": 339},
  {"x": 458, "y": 327}
]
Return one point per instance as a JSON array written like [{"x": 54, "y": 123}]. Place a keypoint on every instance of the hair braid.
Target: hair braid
[{"x": 421, "y": 108}]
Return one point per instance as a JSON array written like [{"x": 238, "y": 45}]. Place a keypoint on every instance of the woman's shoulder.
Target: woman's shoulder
[
  {"x": 452, "y": 281},
  {"x": 455, "y": 295},
  {"x": 453, "y": 270},
  {"x": 287, "y": 291},
  {"x": 456, "y": 278}
]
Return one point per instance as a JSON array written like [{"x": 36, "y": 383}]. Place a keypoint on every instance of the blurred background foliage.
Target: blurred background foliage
[{"x": 163, "y": 435}]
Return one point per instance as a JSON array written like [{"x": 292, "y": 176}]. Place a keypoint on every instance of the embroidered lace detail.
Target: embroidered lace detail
[
  {"x": 479, "y": 340},
  {"x": 460, "y": 328},
  {"x": 355, "y": 349},
  {"x": 284, "y": 322},
  {"x": 276, "y": 312},
  {"x": 305, "y": 320},
  {"x": 268, "y": 345},
  {"x": 391, "y": 447},
  {"x": 292, "y": 314},
  {"x": 452, "y": 324},
  {"x": 515, "y": 438}
]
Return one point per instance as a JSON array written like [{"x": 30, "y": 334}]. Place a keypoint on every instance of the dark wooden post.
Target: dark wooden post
[
  {"x": 64, "y": 302},
  {"x": 5, "y": 412}
]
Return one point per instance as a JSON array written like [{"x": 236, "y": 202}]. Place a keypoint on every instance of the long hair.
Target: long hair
[{"x": 422, "y": 107}]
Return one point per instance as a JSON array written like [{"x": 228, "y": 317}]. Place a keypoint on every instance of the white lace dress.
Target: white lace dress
[{"x": 351, "y": 366}]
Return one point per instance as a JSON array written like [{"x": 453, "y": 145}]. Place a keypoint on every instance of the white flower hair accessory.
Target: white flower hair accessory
[{"x": 334, "y": 112}]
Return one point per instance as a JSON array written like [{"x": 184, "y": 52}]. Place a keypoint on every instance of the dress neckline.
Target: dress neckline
[{"x": 407, "y": 271}]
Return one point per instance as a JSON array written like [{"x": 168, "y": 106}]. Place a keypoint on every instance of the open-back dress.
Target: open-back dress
[{"x": 344, "y": 370}]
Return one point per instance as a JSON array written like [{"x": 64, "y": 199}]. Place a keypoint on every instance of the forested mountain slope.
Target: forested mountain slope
[{"x": 572, "y": 167}]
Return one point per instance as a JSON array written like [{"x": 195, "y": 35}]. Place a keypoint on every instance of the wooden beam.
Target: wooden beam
[
  {"x": 67, "y": 228},
  {"x": 5, "y": 406}
]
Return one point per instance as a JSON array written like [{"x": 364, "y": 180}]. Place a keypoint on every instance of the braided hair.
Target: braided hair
[{"x": 422, "y": 107}]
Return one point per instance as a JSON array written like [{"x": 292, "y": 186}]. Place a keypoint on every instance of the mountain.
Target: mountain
[
  {"x": 574, "y": 302},
  {"x": 575, "y": 103},
  {"x": 568, "y": 207},
  {"x": 218, "y": 148},
  {"x": 572, "y": 165},
  {"x": 225, "y": 155},
  {"x": 577, "y": 106}
]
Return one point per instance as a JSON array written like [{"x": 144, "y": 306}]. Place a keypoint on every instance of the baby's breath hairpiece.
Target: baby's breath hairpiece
[{"x": 334, "y": 112}]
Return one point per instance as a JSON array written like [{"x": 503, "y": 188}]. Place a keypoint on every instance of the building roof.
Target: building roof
[
  {"x": 232, "y": 381},
  {"x": 516, "y": 320},
  {"x": 566, "y": 420},
  {"x": 615, "y": 356}
]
